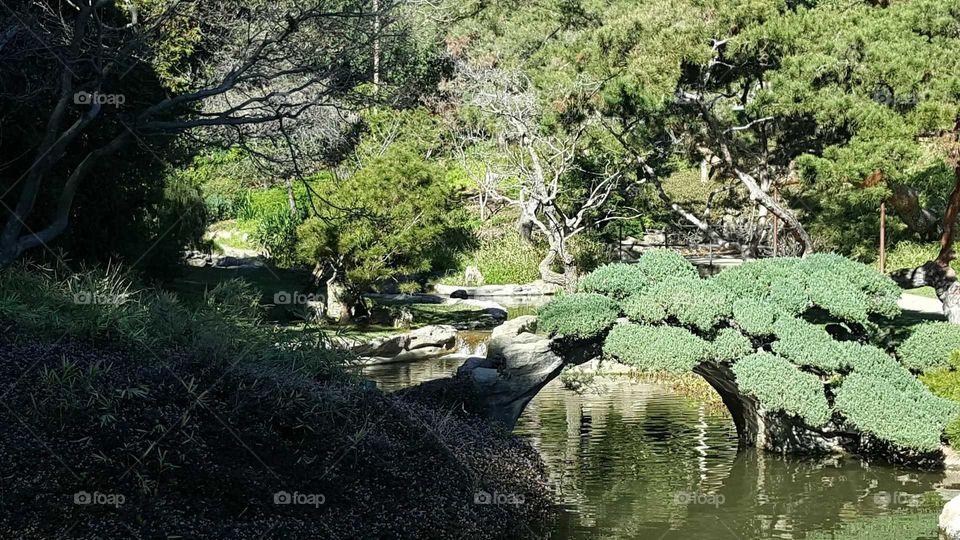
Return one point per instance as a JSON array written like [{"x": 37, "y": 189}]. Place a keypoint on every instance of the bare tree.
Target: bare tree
[
  {"x": 259, "y": 63},
  {"x": 539, "y": 174}
]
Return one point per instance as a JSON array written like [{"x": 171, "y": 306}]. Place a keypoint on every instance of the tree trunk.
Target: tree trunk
[
  {"x": 938, "y": 273},
  {"x": 939, "y": 276},
  {"x": 339, "y": 304},
  {"x": 568, "y": 279}
]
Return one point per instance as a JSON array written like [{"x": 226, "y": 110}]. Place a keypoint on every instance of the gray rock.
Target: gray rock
[
  {"x": 950, "y": 520},
  {"x": 484, "y": 376},
  {"x": 426, "y": 342}
]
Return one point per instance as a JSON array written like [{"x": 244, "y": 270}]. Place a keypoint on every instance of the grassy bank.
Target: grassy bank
[{"x": 159, "y": 418}]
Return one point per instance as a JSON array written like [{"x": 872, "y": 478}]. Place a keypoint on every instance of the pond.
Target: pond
[{"x": 636, "y": 460}]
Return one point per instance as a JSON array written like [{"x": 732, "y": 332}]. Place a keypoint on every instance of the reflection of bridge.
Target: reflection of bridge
[{"x": 519, "y": 363}]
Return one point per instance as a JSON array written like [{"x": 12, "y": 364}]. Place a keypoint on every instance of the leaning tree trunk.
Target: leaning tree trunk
[
  {"x": 339, "y": 304},
  {"x": 568, "y": 279},
  {"x": 938, "y": 273}
]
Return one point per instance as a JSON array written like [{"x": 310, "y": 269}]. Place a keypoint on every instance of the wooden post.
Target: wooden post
[
  {"x": 376, "y": 46},
  {"x": 776, "y": 224},
  {"x": 883, "y": 237}
]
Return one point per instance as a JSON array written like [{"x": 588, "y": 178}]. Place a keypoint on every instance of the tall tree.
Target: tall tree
[{"x": 252, "y": 64}]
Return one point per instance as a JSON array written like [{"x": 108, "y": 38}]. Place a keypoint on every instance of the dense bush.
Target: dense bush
[
  {"x": 845, "y": 289},
  {"x": 755, "y": 317},
  {"x": 930, "y": 346},
  {"x": 779, "y": 385},
  {"x": 692, "y": 301},
  {"x": 578, "y": 315},
  {"x": 660, "y": 264},
  {"x": 731, "y": 345},
  {"x": 805, "y": 344},
  {"x": 656, "y": 348},
  {"x": 643, "y": 308},
  {"x": 877, "y": 407},
  {"x": 789, "y": 327},
  {"x": 618, "y": 280}
]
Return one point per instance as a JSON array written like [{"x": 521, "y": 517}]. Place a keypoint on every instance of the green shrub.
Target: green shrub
[
  {"x": 838, "y": 282},
  {"x": 642, "y": 308},
  {"x": 276, "y": 233},
  {"x": 660, "y": 264},
  {"x": 656, "y": 348},
  {"x": 806, "y": 344},
  {"x": 618, "y": 280},
  {"x": 846, "y": 289},
  {"x": 755, "y": 317},
  {"x": 693, "y": 301},
  {"x": 578, "y": 315},
  {"x": 781, "y": 386},
  {"x": 875, "y": 406},
  {"x": 930, "y": 346},
  {"x": 731, "y": 345}
]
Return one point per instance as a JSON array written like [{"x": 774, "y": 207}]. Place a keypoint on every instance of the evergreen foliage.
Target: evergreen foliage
[
  {"x": 578, "y": 315},
  {"x": 656, "y": 348}
]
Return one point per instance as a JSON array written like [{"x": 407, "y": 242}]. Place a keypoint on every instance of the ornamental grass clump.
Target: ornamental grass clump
[
  {"x": 578, "y": 315},
  {"x": 656, "y": 348},
  {"x": 779, "y": 385},
  {"x": 929, "y": 346}
]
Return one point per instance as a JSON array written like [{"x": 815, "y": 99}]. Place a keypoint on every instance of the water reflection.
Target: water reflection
[{"x": 638, "y": 461}]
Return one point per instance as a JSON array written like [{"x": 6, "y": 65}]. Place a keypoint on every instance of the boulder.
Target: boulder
[
  {"x": 950, "y": 520},
  {"x": 426, "y": 342},
  {"x": 441, "y": 335}
]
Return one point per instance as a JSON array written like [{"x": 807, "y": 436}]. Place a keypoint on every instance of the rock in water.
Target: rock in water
[{"x": 950, "y": 520}]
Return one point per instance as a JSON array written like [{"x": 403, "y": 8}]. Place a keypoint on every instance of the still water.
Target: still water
[{"x": 634, "y": 460}]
